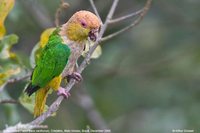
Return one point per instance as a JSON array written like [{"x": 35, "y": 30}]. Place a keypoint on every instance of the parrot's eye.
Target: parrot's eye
[{"x": 83, "y": 24}]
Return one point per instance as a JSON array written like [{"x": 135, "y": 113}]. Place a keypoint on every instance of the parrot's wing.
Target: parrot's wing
[{"x": 51, "y": 64}]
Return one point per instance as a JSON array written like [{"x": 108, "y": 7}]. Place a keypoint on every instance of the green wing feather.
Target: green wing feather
[{"x": 51, "y": 63}]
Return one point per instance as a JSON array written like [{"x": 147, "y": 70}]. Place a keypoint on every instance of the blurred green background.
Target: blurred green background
[{"x": 147, "y": 79}]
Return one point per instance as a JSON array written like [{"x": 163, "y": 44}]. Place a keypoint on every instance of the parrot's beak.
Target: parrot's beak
[{"x": 93, "y": 34}]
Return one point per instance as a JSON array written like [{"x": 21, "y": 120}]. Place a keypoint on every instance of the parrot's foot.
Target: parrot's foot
[
  {"x": 63, "y": 92},
  {"x": 76, "y": 76}
]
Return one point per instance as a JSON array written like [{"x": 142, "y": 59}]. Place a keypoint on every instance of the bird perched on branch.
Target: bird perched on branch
[{"x": 59, "y": 57}]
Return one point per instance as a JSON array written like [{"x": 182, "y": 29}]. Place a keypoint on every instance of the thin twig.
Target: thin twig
[
  {"x": 55, "y": 105},
  {"x": 11, "y": 101},
  {"x": 136, "y": 22},
  {"x": 58, "y": 12},
  {"x": 63, "y": 5},
  {"x": 95, "y": 9},
  {"x": 109, "y": 17},
  {"x": 126, "y": 17},
  {"x": 13, "y": 80}
]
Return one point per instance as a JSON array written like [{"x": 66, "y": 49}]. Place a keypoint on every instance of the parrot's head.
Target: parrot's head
[{"x": 82, "y": 25}]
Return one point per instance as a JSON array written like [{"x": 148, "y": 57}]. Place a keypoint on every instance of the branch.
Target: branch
[
  {"x": 63, "y": 5},
  {"x": 95, "y": 9},
  {"x": 8, "y": 101},
  {"x": 55, "y": 105},
  {"x": 136, "y": 22},
  {"x": 13, "y": 80},
  {"x": 125, "y": 17}
]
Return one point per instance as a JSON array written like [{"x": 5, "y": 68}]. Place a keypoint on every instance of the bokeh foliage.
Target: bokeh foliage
[{"x": 147, "y": 80}]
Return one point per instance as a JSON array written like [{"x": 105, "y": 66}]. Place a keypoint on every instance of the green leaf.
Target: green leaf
[
  {"x": 34, "y": 55},
  {"x": 7, "y": 73},
  {"x": 97, "y": 52},
  {"x": 5, "y": 46},
  {"x": 27, "y": 102},
  {"x": 5, "y": 8},
  {"x": 9, "y": 62}
]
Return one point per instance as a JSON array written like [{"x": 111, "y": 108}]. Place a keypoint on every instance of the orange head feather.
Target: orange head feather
[{"x": 81, "y": 25}]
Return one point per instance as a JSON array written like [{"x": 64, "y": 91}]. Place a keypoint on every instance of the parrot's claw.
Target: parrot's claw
[
  {"x": 76, "y": 76},
  {"x": 63, "y": 92}
]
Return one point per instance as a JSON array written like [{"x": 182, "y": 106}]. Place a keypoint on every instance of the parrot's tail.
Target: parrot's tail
[
  {"x": 40, "y": 100},
  {"x": 31, "y": 89}
]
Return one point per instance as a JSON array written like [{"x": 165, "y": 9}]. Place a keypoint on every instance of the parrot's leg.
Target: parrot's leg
[
  {"x": 63, "y": 92},
  {"x": 75, "y": 75}
]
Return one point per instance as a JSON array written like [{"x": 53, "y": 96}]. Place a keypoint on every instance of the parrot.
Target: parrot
[{"x": 59, "y": 56}]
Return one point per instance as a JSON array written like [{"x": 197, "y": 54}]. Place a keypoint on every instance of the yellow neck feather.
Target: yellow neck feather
[{"x": 75, "y": 32}]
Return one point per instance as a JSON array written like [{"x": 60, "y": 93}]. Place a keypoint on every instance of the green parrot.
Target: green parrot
[
  {"x": 59, "y": 57},
  {"x": 51, "y": 63}
]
